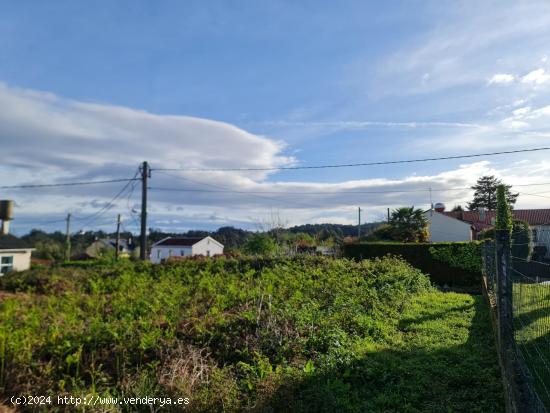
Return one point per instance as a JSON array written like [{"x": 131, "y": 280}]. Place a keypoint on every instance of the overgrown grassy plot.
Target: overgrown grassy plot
[
  {"x": 442, "y": 358},
  {"x": 531, "y": 303},
  {"x": 306, "y": 334}
]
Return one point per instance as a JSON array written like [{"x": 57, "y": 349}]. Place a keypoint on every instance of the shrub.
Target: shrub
[
  {"x": 219, "y": 330},
  {"x": 435, "y": 259}
]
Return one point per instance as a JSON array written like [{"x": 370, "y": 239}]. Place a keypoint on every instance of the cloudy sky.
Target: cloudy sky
[{"x": 88, "y": 90}]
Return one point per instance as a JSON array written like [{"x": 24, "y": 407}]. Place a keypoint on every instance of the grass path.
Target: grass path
[{"x": 442, "y": 359}]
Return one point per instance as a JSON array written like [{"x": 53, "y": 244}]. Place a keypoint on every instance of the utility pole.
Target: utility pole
[
  {"x": 388, "y": 215},
  {"x": 431, "y": 201},
  {"x": 68, "y": 239},
  {"x": 145, "y": 173},
  {"x": 117, "y": 237},
  {"x": 359, "y": 226}
]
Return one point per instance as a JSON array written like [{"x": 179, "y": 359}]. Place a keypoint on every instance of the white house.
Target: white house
[
  {"x": 184, "y": 247},
  {"x": 444, "y": 228},
  {"x": 15, "y": 254}
]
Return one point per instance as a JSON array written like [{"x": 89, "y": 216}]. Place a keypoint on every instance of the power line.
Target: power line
[
  {"x": 93, "y": 217},
  {"x": 335, "y": 192},
  {"x": 223, "y": 188},
  {"x": 350, "y": 165},
  {"x": 66, "y": 184},
  {"x": 280, "y": 192}
]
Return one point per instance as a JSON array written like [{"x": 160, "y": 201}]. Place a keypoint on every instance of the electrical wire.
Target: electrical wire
[
  {"x": 93, "y": 217},
  {"x": 108, "y": 181},
  {"x": 244, "y": 193},
  {"x": 350, "y": 165}
]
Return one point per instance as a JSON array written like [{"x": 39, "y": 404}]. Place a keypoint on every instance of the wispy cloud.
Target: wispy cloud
[
  {"x": 501, "y": 78},
  {"x": 536, "y": 77},
  {"x": 465, "y": 45},
  {"x": 358, "y": 125}
]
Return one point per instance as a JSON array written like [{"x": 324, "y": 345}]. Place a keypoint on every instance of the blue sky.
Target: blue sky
[{"x": 88, "y": 90}]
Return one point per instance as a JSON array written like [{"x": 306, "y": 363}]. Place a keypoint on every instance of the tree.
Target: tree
[
  {"x": 260, "y": 244},
  {"x": 409, "y": 225},
  {"x": 457, "y": 208},
  {"x": 485, "y": 193},
  {"x": 504, "y": 216}
]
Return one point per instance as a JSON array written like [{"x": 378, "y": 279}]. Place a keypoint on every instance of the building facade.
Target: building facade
[
  {"x": 184, "y": 247},
  {"x": 15, "y": 254}
]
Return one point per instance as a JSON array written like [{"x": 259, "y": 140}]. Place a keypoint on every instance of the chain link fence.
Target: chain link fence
[{"x": 518, "y": 289}]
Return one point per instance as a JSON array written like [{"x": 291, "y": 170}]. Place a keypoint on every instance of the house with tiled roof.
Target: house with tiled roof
[
  {"x": 442, "y": 229},
  {"x": 172, "y": 247}
]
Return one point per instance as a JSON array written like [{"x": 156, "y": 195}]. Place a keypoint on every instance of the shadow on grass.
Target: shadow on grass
[{"x": 418, "y": 377}]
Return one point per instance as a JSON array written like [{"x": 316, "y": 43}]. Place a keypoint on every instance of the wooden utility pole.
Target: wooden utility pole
[
  {"x": 359, "y": 226},
  {"x": 68, "y": 239},
  {"x": 388, "y": 215},
  {"x": 145, "y": 173},
  {"x": 117, "y": 237}
]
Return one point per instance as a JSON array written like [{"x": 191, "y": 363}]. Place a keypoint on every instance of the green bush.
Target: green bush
[
  {"x": 450, "y": 263},
  {"x": 223, "y": 331}
]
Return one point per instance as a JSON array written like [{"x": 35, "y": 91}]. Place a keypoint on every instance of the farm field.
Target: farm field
[{"x": 258, "y": 335}]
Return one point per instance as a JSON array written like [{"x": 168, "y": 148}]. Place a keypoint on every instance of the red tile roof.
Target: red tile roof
[{"x": 532, "y": 216}]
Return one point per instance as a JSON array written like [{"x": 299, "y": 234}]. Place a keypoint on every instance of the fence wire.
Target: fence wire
[
  {"x": 526, "y": 358},
  {"x": 531, "y": 323}
]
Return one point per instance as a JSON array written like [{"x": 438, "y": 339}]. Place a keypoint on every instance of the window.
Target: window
[
  {"x": 208, "y": 253},
  {"x": 6, "y": 264},
  {"x": 182, "y": 253},
  {"x": 158, "y": 253}
]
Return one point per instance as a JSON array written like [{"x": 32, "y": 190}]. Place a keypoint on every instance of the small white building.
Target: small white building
[
  {"x": 443, "y": 228},
  {"x": 15, "y": 254},
  {"x": 184, "y": 247}
]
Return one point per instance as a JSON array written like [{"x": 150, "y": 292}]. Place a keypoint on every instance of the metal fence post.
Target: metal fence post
[{"x": 504, "y": 290}]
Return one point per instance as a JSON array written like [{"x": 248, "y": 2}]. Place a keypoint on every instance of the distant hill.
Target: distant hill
[{"x": 339, "y": 229}]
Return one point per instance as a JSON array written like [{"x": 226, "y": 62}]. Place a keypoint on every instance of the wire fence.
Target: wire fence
[{"x": 518, "y": 288}]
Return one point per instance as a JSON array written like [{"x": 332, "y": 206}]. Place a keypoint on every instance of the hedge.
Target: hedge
[{"x": 447, "y": 263}]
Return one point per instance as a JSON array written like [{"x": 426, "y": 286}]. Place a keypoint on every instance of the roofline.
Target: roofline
[
  {"x": 217, "y": 242},
  {"x": 449, "y": 217},
  {"x": 158, "y": 242},
  {"x": 17, "y": 249}
]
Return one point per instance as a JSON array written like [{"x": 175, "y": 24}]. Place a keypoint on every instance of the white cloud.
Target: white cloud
[
  {"x": 465, "y": 44},
  {"x": 536, "y": 77},
  {"x": 40, "y": 130},
  {"x": 501, "y": 78},
  {"x": 45, "y": 137}
]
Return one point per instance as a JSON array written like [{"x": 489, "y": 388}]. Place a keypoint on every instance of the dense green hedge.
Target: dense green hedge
[{"x": 450, "y": 263}]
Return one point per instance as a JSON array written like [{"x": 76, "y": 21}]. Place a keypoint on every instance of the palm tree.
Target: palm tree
[{"x": 409, "y": 225}]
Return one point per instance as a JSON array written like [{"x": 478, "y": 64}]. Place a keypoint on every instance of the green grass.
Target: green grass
[
  {"x": 296, "y": 335},
  {"x": 532, "y": 333},
  {"x": 442, "y": 358}
]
